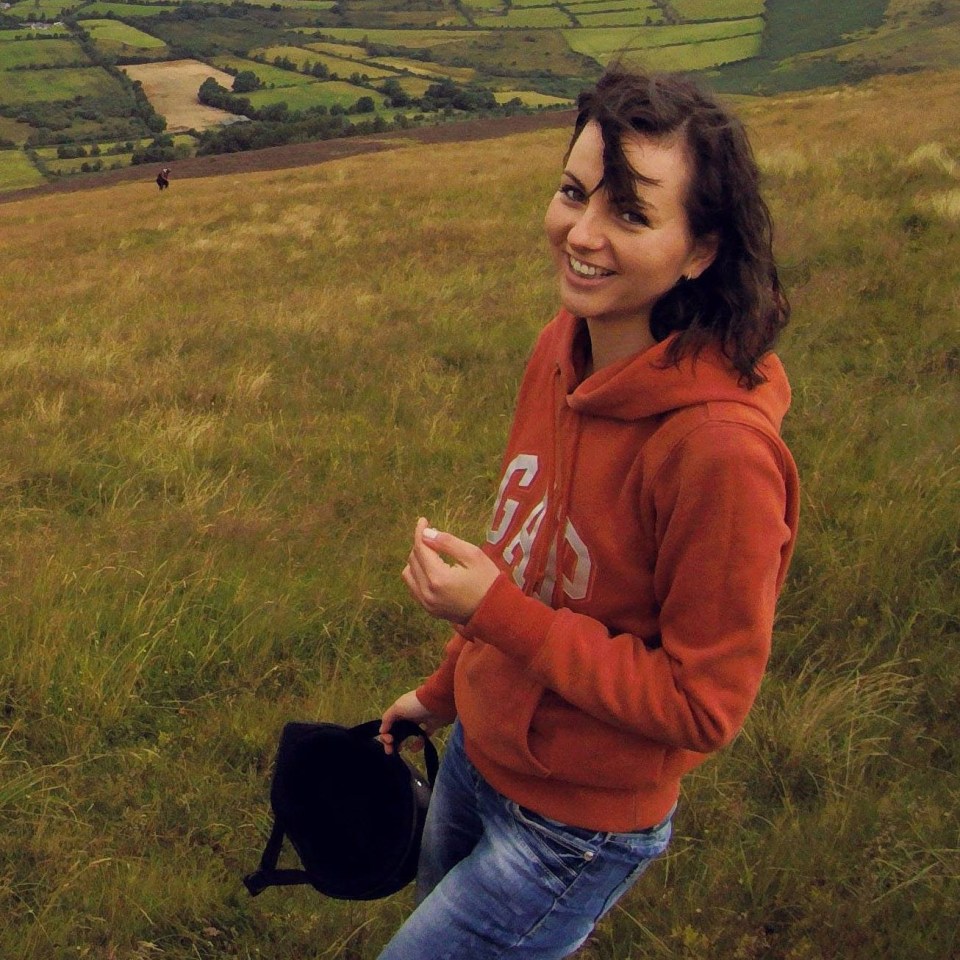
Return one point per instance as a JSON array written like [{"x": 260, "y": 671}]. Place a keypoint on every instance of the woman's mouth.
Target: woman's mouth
[{"x": 587, "y": 270}]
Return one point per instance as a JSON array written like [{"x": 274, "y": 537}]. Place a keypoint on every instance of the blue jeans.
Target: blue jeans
[{"x": 497, "y": 880}]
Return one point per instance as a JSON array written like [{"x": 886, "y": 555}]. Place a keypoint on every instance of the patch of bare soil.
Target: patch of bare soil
[
  {"x": 171, "y": 87},
  {"x": 303, "y": 154}
]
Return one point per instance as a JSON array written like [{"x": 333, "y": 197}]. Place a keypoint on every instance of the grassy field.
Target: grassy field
[
  {"x": 40, "y": 10},
  {"x": 40, "y": 53},
  {"x": 269, "y": 75},
  {"x": 717, "y": 9},
  {"x": 16, "y": 171},
  {"x": 531, "y": 98},
  {"x": 226, "y": 405},
  {"x": 316, "y": 93},
  {"x": 101, "y": 8},
  {"x": 113, "y": 35},
  {"x": 342, "y": 66},
  {"x": 57, "y": 83}
]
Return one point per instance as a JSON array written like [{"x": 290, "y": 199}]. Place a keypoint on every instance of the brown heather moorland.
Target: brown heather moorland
[{"x": 224, "y": 407}]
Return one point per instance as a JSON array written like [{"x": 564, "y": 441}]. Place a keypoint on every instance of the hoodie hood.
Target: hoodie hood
[{"x": 648, "y": 385}]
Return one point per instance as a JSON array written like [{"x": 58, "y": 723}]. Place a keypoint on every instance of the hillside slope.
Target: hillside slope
[{"x": 225, "y": 406}]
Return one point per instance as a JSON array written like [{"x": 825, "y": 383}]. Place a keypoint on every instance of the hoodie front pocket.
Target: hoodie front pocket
[{"x": 496, "y": 703}]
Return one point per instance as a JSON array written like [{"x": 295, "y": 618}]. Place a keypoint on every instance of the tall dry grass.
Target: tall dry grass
[{"x": 223, "y": 410}]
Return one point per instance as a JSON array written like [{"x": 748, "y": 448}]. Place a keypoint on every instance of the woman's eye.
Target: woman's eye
[
  {"x": 634, "y": 217},
  {"x": 571, "y": 192}
]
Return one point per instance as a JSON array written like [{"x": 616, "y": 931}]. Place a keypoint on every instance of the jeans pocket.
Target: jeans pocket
[{"x": 563, "y": 851}]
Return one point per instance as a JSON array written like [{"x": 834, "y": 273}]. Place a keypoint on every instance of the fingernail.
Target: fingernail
[{"x": 430, "y": 533}]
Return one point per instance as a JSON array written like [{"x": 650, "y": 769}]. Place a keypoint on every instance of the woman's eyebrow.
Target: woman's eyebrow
[{"x": 577, "y": 182}]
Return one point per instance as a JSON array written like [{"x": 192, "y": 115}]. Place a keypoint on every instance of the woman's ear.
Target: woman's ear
[{"x": 704, "y": 253}]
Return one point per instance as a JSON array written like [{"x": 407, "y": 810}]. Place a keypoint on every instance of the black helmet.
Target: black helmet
[{"x": 353, "y": 813}]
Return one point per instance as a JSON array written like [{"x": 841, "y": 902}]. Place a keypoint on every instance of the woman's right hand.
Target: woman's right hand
[{"x": 408, "y": 707}]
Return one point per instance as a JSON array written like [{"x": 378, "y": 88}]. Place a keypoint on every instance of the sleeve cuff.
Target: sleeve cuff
[{"x": 507, "y": 619}]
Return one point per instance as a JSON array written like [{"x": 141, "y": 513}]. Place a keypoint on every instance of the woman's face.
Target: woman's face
[{"x": 614, "y": 263}]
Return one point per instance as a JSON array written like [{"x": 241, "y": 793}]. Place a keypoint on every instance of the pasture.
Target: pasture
[
  {"x": 41, "y": 10},
  {"x": 314, "y": 93},
  {"x": 602, "y": 43},
  {"x": 41, "y": 53},
  {"x": 268, "y": 74},
  {"x": 103, "y": 8},
  {"x": 113, "y": 35},
  {"x": 717, "y": 9},
  {"x": 56, "y": 83},
  {"x": 531, "y": 98},
  {"x": 419, "y": 68},
  {"x": 695, "y": 56},
  {"x": 525, "y": 18},
  {"x": 17, "y": 171}
]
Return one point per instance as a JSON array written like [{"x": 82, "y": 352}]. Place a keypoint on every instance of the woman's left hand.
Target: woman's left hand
[{"x": 450, "y": 592}]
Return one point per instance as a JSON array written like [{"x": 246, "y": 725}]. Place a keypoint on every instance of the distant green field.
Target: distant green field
[
  {"x": 530, "y": 98},
  {"x": 717, "y": 9},
  {"x": 314, "y": 93},
  {"x": 16, "y": 171},
  {"x": 115, "y": 32},
  {"x": 14, "y": 130},
  {"x": 316, "y": 5},
  {"x": 100, "y": 8},
  {"x": 605, "y": 6},
  {"x": 342, "y": 66},
  {"x": 267, "y": 72},
  {"x": 602, "y": 43},
  {"x": 463, "y": 74},
  {"x": 697, "y": 56},
  {"x": 525, "y": 17},
  {"x": 347, "y": 51},
  {"x": 414, "y": 39},
  {"x": 26, "y": 86},
  {"x": 619, "y": 18},
  {"x": 414, "y": 86},
  {"x": 41, "y": 9},
  {"x": 40, "y": 53}
]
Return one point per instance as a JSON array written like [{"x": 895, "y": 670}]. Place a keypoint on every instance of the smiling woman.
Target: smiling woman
[{"x": 614, "y": 628}]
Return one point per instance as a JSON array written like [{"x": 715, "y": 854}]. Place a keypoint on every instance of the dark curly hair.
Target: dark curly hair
[{"x": 737, "y": 302}]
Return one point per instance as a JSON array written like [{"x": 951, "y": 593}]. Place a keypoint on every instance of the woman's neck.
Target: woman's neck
[{"x": 612, "y": 341}]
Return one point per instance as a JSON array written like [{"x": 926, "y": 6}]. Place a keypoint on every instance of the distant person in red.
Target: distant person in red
[
  {"x": 163, "y": 178},
  {"x": 613, "y": 629}
]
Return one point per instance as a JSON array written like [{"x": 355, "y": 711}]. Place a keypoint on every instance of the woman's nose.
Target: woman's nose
[{"x": 587, "y": 232}]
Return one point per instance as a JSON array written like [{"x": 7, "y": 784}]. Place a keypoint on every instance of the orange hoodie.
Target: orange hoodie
[{"x": 643, "y": 526}]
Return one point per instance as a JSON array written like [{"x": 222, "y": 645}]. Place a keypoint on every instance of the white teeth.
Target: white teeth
[{"x": 586, "y": 270}]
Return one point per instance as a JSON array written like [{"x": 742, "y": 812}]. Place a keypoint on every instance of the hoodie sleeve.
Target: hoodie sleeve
[
  {"x": 436, "y": 692},
  {"x": 719, "y": 507}
]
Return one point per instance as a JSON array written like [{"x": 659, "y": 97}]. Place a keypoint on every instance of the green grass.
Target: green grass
[
  {"x": 531, "y": 98},
  {"x": 717, "y": 9},
  {"x": 27, "y": 86},
  {"x": 114, "y": 32},
  {"x": 100, "y": 8},
  {"x": 414, "y": 39},
  {"x": 696, "y": 56},
  {"x": 224, "y": 408},
  {"x": 40, "y": 53},
  {"x": 342, "y": 66},
  {"x": 606, "y": 6},
  {"x": 267, "y": 72},
  {"x": 602, "y": 43},
  {"x": 16, "y": 171},
  {"x": 40, "y": 10},
  {"x": 314, "y": 93},
  {"x": 525, "y": 17}
]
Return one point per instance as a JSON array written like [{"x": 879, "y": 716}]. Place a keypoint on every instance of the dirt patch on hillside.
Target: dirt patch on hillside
[
  {"x": 171, "y": 87},
  {"x": 304, "y": 154}
]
